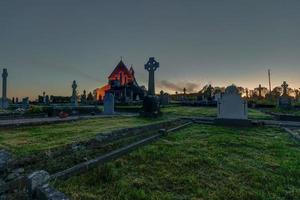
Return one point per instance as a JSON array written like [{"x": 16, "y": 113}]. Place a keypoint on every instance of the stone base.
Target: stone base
[
  {"x": 4, "y": 104},
  {"x": 150, "y": 107},
  {"x": 233, "y": 122}
]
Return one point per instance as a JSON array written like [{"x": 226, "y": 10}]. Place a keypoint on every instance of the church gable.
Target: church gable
[{"x": 122, "y": 74}]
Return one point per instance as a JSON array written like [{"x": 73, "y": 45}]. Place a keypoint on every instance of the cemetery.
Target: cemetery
[
  {"x": 189, "y": 111},
  {"x": 78, "y": 150}
]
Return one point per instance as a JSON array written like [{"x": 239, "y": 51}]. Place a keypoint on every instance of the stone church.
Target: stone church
[{"x": 122, "y": 83}]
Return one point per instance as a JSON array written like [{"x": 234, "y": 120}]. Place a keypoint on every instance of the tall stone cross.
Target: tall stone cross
[
  {"x": 74, "y": 93},
  {"x": 284, "y": 88},
  {"x": 184, "y": 91},
  {"x": 4, "y": 84},
  {"x": 151, "y": 67},
  {"x": 4, "y": 103}
]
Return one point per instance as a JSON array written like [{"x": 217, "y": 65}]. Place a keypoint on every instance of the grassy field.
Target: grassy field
[
  {"x": 199, "y": 162},
  {"x": 207, "y": 112},
  {"x": 25, "y": 140}
]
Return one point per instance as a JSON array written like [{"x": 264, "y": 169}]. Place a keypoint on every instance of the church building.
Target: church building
[{"x": 122, "y": 83}]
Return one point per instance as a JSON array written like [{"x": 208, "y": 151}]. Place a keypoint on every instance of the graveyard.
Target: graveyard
[{"x": 149, "y": 100}]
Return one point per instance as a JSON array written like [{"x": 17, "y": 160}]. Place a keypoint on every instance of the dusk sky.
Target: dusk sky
[{"x": 46, "y": 44}]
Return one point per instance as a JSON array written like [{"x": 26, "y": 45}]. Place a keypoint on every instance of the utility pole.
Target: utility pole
[{"x": 269, "y": 75}]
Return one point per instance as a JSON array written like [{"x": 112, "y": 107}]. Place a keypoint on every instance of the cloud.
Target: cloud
[{"x": 170, "y": 86}]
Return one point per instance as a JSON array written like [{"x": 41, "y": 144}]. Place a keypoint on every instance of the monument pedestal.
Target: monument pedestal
[
  {"x": 233, "y": 122},
  {"x": 4, "y": 103},
  {"x": 150, "y": 107},
  {"x": 285, "y": 102}
]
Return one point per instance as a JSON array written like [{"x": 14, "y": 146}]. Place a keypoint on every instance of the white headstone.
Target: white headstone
[
  {"x": 109, "y": 104},
  {"x": 231, "y": 105}
]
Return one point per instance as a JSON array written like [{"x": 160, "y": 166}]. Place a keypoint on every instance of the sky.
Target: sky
[{"x": 46, "y": 44}]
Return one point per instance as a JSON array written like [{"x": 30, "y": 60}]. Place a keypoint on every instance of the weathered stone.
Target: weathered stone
[
  {"x": 5, "y": 156},
  {"x": 78, "y": 147},
  {"x": 20, "y": 170},
  {"x": 3, "y": 186},
  {"x": 37, "y": 179},
  {"x": 3, "y": 197},
  {"x": 109, "y": 104},
  {"x": 12, "y": 176},
  {"x": 46, "y": 192}
]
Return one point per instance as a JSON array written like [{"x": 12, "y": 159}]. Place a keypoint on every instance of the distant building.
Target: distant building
[{"x": 122, "y": 83}]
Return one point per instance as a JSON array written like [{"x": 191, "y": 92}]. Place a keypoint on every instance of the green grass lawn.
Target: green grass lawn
[
  {"x": 283, "y": 111},
  {"x": 199, "y": 162},
  {"x": 25, "y": 140},
  {"x": 187, "y": 111}
]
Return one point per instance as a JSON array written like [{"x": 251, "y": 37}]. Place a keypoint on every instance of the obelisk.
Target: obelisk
[{"x": 4, "y": 89}]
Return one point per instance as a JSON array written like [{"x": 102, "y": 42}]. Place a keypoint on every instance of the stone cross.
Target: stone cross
[
  {"x": 4, "y": 103},
  {"x": 74, "y": 93},
  {"x": 151, "y": 67},
  {"x": 184, "y": 91},
  {"x": 284, "y": 87}
]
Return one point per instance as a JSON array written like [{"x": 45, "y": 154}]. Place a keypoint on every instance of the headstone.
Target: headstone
[
  {"x": 164, "y": 98},
  {"x": 25, "y": 103},
  {"x": 74, "y": 94},
  {"x": 47, "y": 99},
  {"x": 5, "y": 156},
  {"x": 284, "y": 101},
  {"x": 109, "y": 104},
  {"x": 90, "y": 98},
  {"x": 137, "y": 97},
  {"x": 83, "y": 97},
  {"x": 232, "y": 108},
  {"x": 4, "y": 101},
  {"x": 217, "y": 96}
]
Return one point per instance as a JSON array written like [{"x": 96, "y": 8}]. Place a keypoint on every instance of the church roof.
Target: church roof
[{"x": 120, "y": 67}]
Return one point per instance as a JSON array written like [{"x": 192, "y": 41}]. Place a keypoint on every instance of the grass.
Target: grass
[
  {"x": 199, "y": 162},
  {"x": 26, "y": 140},
  {"x": 207, "y": 112},
  {"x": 283, "y": 111}
]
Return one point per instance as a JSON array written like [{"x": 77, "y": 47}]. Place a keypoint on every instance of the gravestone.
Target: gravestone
[
  {"x": 284, "y": 101},
  {"x": 109, "y": 104},
  {"x": 83, "y": 97},
  {"x": 232, "y": 109},
  {"x": 74, "y": 94},
  {"x": 25, "y": 103},
  {"x": 164, "y": 98}
]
